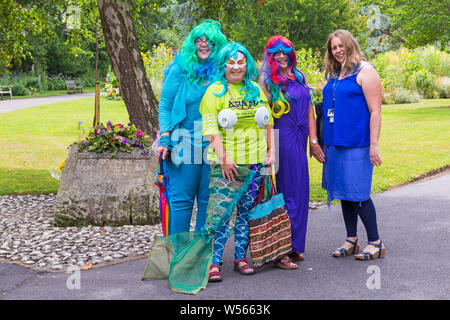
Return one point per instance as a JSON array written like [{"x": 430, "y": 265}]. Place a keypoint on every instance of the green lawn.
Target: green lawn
[
  {"x": 35, "y": 139},
  {"x": 414, "y": 140}
]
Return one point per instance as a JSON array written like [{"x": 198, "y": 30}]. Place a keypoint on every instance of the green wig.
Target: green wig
[{"x": 198, "y": 72}]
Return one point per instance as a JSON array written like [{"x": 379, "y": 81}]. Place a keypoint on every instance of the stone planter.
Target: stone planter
[{"x": 97, "y": 189}]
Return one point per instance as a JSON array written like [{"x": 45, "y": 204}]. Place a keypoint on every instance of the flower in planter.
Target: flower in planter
[{"x": 113, "y": 138}]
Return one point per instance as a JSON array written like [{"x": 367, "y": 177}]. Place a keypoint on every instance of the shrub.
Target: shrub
[
  {"x": 156, "y": 62},
  {"x": 416, "y": 70},
  {"x": 424, "y": 82},
  {"x": 443, "y": 87},
  {"x": 111, "y": 86},
  {"x": 18, "y": 89},
  {"x": 400, "y": 95},
  {"x": 56, "y": 83},
  {"x": 309, "y": 62}
]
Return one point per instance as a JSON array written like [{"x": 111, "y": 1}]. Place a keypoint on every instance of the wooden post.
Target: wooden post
[{"x": 97, "y": 85}]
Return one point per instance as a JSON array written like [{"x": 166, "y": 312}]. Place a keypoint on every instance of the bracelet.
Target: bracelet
[
  {"x": 164, "y": 141},
  {"x": 223, "y": 156}
]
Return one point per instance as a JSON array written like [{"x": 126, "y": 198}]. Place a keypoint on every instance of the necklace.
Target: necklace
[{"x": 231, "y": 96}]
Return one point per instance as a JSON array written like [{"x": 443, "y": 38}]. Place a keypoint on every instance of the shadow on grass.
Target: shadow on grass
[{"x": 27, "y": 181}]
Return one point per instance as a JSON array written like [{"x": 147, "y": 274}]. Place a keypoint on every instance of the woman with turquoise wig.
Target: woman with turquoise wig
[
  {"x": 190, "y": 259},
  {"x": 239, "y": 125},
  {"x": 181, "y": 145}
]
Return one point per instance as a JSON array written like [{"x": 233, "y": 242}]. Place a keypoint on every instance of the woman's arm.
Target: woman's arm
[
  {"x": 370, "y": 82},
  {"x": 270, "y": 136},
  {"x": 270, "y": 157},
  {"x": 228, "y": 166},
  {"x": 314, "y": 148},
  {"x": 168, "y": 94}
]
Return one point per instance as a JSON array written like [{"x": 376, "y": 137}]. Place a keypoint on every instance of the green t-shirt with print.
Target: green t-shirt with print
[{"x": 245, "y": 143}]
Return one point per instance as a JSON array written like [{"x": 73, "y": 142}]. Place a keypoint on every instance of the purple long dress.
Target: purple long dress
[{"x": 293, "y": 176}]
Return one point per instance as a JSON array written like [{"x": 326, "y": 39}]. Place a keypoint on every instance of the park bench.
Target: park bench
[
  {"x": 72, "y": 87},
  {"x": 5, "y": 89}
]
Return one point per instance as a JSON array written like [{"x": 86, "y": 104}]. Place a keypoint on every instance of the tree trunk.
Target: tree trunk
[{"x": 127, "y": 64}]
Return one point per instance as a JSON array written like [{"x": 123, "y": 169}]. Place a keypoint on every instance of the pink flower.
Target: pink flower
[{"x": 139, "y": 133}]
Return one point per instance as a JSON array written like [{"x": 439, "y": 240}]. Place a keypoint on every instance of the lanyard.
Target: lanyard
[{"x": 335, "y": 84}]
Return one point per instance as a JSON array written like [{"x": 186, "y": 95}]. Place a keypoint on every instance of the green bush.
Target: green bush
[
  {"x": 443, "y": 87},
  {"x": 56, "y": 83},
  {"x": 309, "y": 62},
  {"x": 424, "y": 82},
  {"x": 156, "y": 62},
  {"x": 419, "y": 70},
  {"x": 18, "y": 89},
  {"x": 400, "y": 95}
]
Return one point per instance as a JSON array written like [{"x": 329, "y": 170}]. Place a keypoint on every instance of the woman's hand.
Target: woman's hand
[
  {"x": 161, "y": 151},
  {"x": 270, "y": 158},
  {"x": 316, "y": 151},
  {"x": 375, "y": 156},
  {"x": 228, "y": 168}
]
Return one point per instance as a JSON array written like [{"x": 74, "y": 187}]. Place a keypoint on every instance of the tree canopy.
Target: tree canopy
[{"x": 414, "y": 23}]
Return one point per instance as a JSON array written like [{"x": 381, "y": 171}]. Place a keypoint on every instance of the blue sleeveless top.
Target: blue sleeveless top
[{"x": 351, "y": 127}]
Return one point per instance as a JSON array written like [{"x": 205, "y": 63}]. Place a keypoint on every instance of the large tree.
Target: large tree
[{"x": 126, "y": 61}]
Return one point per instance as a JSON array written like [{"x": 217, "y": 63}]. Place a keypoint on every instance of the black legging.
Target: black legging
[{"x": 366, "y": 210}]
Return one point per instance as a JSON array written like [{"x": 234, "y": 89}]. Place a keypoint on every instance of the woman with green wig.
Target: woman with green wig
[{"x": 181, "y": 145}]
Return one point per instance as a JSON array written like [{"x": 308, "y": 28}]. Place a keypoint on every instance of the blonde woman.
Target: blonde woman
[{"x": 352, "y": 122}]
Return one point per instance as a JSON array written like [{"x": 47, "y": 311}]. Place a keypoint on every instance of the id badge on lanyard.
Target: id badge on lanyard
[{"x": 330, "y": 112}]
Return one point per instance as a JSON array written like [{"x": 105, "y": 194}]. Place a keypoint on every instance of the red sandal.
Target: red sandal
[
  {"x": 243, "y": 269},
  {"x": 215, "y": 276},
  {"x": 286, "y": 263},
  {"x": 297, "y": 256}
]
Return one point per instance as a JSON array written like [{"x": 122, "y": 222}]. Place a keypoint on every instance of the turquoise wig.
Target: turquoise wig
[
  {"x": 198, "y": 71},
  {"x": 250, "y": 90}
]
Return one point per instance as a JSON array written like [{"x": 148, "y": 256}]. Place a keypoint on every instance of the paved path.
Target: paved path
[
  {"x": 16, "y": 104},
  {"x": 414, "y": 222}
]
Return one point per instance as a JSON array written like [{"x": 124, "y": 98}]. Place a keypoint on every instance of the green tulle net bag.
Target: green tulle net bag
[{"x": 184, "y": 258}]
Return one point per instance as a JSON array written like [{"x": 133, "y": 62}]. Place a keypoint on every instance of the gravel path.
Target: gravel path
[{"x": 29, "y": 237}]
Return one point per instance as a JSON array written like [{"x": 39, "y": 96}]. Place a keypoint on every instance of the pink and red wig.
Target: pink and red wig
[{"x": 270, "y": 69}]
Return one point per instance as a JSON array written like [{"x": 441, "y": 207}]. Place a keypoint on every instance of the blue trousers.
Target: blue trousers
[{"x": 187, "y": 182}]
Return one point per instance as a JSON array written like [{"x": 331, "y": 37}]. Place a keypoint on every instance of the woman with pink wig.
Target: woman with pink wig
[{"x": 285, "y": 86}]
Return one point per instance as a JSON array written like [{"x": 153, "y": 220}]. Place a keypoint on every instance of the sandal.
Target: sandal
[
  {"x": 215, "y": 276},
  {"x": 245, "y": 269},
  {"x": 347, "y": 252},
  {"x": 296, "y": 256},
  {"x": 371, "y": 256},
  {"x": 286, "y": 263}
]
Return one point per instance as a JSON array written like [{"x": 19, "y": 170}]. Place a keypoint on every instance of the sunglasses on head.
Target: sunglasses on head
[{"x": 276, "y": 51}]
